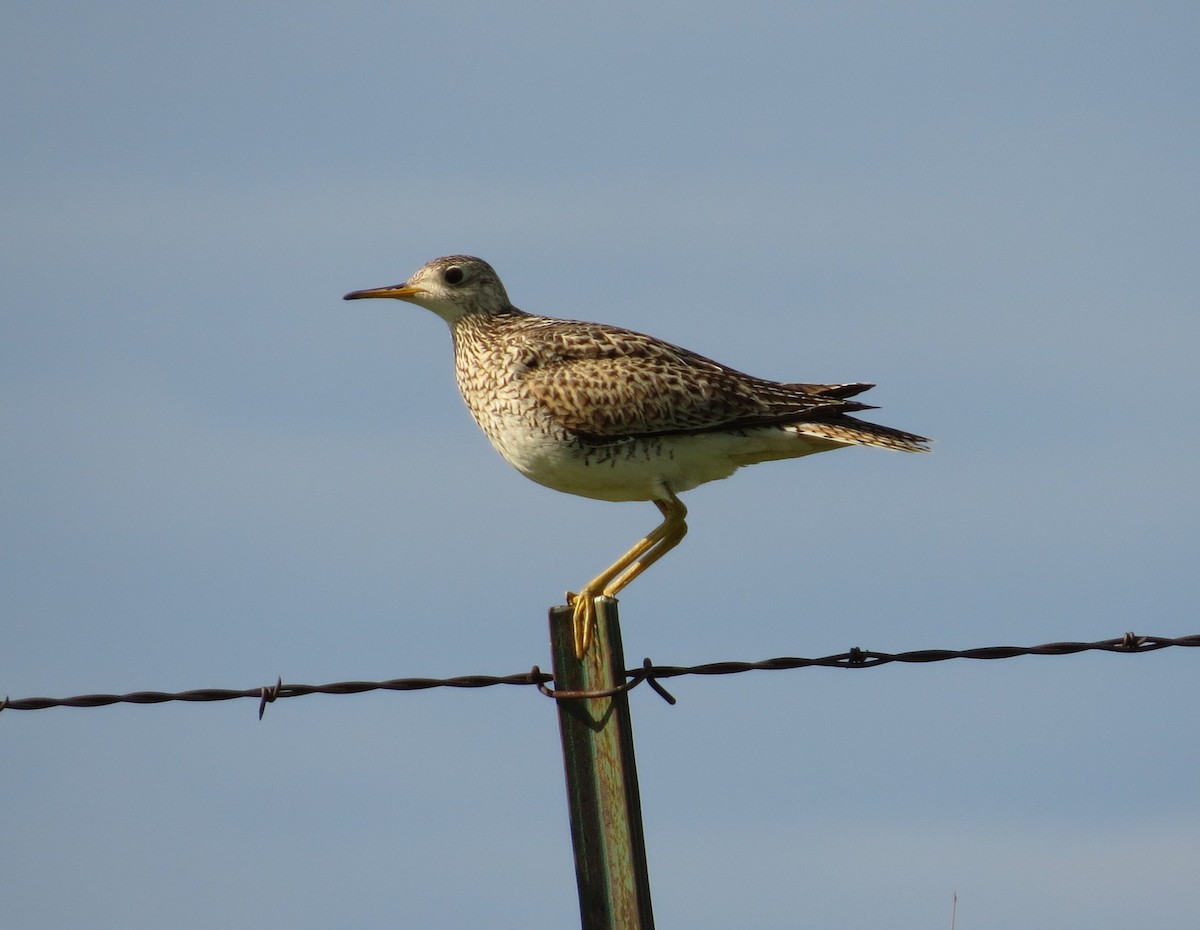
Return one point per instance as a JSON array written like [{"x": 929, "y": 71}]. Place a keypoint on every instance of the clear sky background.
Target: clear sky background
[{"x": 214, "y": 471}]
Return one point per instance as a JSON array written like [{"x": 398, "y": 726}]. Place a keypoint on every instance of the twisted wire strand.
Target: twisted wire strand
[{"x": 855, "y": 658}]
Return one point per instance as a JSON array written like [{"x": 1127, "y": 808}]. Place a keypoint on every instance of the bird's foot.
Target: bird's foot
[{"x": 583, "y": 620}]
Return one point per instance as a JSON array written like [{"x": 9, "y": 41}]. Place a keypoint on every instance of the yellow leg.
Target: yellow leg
[{"x": 648, "y": 550}]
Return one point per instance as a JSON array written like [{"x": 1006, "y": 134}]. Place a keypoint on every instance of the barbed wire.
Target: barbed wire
[{"x": 856, "y": 658}]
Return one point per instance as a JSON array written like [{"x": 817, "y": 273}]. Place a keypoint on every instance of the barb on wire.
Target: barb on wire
[{"x": 650, "y": 673}]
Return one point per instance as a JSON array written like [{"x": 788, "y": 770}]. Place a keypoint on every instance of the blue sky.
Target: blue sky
[{"x": 217, "y": 472}]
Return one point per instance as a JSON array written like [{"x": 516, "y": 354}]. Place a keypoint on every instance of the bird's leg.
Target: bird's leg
[
  {"x": 584, "y": 617},
  {"x": 670, "y": 533},
  {"x": 648, "y": 550}
]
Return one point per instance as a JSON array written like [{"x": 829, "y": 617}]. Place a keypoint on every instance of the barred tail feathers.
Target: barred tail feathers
[{"x": 861, "y": 433}]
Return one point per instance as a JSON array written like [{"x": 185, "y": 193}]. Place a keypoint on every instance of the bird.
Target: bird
[{"x": 612, "y": 414}]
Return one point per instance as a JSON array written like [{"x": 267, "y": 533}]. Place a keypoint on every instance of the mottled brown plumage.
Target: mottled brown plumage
[{"x": 613, "y": 414}]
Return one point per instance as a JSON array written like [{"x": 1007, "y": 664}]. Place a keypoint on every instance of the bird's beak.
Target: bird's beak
[{"x": 398, "y": 291}]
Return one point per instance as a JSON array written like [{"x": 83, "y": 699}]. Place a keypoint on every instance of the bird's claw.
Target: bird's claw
[{"x": 583, "y": 619}]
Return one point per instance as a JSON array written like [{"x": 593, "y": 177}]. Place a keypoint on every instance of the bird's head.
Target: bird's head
[{"x": 452, "y": 287}]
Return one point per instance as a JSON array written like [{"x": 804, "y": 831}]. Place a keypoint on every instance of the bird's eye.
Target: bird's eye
[{"x": 453, "y": 275}]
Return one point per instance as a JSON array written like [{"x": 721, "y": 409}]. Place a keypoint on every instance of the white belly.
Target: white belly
[{"x": 640, "y": 469}]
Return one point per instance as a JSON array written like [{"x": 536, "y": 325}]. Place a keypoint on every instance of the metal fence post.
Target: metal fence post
[{"x": 602, "y": 786}]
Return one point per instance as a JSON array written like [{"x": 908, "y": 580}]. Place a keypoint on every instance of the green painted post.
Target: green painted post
[{"x": 602, "y": 786}]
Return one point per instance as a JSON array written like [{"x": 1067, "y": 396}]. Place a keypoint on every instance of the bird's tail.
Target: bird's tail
[{"x": 848, "y": 430}]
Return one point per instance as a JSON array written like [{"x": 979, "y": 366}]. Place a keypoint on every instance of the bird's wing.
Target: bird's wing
[{"x": 604, "y": 383}]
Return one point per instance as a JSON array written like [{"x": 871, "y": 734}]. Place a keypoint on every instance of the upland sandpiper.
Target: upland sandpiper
[{"x": 612, "y": 414}]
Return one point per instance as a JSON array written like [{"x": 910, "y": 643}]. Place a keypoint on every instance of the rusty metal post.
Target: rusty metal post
[{"x": 602, "y": 786}]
